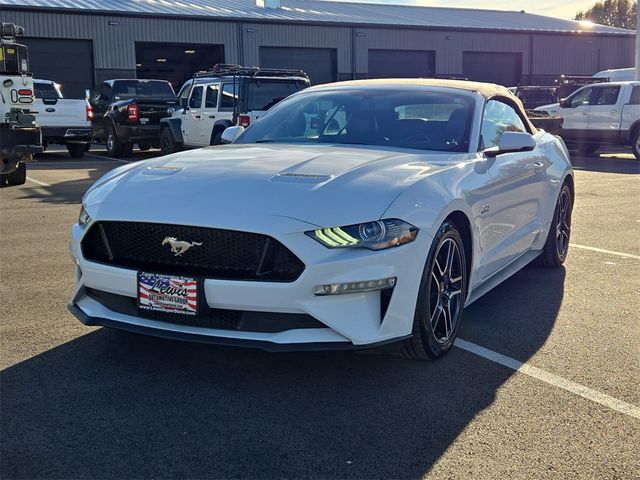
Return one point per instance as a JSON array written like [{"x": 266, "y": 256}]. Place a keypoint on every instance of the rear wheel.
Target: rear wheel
[
  {"x": 635, "y": 143},
  {"x": 115, "y": 147},
  {"x": 556, "y": 247},
  {"x": 441, "y": 297},
  {"x": 144, "y": 147},
  {"x": 18, "y": 176},
  {"x": 168, "y": 144},
  {"x": 76, "y": 150},
  {"x": 216, "y": 136}
]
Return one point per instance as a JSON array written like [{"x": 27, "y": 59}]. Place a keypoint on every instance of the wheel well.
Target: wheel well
[
  {"x": 634, "y": 130},
  {"x": 464, "y": 227}
]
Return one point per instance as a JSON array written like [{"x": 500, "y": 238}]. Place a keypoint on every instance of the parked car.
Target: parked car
[
  {"x": 20, "y": 136},
  {"x": 349, "y": 215},
  {"x": 64, "y": 121},
  {"x": 126, "y": 112},
  {"x": 600, "y": 114},
  {"x": 224, "y": 96}
]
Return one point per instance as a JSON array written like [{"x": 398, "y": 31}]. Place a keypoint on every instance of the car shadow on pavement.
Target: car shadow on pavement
[
  {"x": 111, "y": 404},
  {"x": 606, "y": 164}
]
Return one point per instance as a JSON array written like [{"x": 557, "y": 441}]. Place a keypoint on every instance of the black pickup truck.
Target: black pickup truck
[{"x": 126, "y": 112}]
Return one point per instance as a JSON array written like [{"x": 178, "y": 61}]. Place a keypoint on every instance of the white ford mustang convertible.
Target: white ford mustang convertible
[{"x": 350, "y": 215}]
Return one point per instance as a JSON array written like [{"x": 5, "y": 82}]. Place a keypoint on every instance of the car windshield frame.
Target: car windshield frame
[{"x": 419, "y": 119}]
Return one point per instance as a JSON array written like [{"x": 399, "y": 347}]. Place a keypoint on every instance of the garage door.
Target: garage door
[
  {"x": 495, "y": 67},
  {"x": 319, "y": 63},
  {"x": 67, "y": 62},
  {"x": 401, "y": 63},
  {"x": 175, "y": 62}
]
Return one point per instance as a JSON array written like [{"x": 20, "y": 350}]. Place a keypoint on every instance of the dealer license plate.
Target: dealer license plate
[
  {"x": 144, "y": 120},
  {"x": 167, "y": 293}
]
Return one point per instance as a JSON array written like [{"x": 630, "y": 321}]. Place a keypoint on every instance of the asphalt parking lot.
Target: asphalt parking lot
[{"x": 79, "y": 402}]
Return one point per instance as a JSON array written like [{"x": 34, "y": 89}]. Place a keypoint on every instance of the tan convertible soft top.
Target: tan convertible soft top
[{"x": 487, "y": 90}]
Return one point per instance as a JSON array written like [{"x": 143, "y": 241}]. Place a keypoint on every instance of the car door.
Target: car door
[
  {"x": 508, "y": 220},
  {"x": 575, "y": 113},
  {"x": 210, "y": 113},
  {"x": 192, "y": 118},
  {"x": 604, "y": 113}
]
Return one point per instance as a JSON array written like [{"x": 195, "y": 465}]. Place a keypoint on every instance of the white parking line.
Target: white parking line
[
  {"x": 108, "y": 158},
  {"x": 552, "y": 379},
  {"x": 608, "y": 252},
  {"x": 38, "y": 182}
]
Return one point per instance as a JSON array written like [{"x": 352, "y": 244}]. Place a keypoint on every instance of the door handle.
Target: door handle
[
  {"x": 538, "y": 164},
  {"x": 212, "y": 116},
  {"x": 197, "y": 116},
  {"x": 614, "y": 112}
]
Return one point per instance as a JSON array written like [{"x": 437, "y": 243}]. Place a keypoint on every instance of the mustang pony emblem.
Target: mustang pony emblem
[{"x": 178, "y": 246}]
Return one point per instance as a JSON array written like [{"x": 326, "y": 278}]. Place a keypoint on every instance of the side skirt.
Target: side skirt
[{"x": 501, "y": 275}]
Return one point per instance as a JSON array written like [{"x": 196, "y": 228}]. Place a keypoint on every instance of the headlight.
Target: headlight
[
  {"x": 376, "y": 235},
  {"x": 83, "y": 218}
]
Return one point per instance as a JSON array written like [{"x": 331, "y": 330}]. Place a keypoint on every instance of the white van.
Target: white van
[{"x": 617, "y": 74}]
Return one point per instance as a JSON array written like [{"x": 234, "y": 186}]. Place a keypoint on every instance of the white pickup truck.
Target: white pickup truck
[
  {"x": 64, "y": 121},
  {"x": 600, "y": 114}
]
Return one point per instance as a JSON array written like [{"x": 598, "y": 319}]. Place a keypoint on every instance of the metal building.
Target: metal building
[{"x": 80, "y": 42}]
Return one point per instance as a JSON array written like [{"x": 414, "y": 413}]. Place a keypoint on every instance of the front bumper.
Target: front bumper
[{"x": 347, "y": 321}]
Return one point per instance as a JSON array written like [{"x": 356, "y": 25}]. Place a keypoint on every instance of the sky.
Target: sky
[{"x": 552, "y": 8}]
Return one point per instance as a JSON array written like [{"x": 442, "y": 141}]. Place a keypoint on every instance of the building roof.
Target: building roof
[{"x": 306, "y": 11}]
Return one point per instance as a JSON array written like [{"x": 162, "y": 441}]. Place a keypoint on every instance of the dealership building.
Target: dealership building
[{"x": 80, "y": 42}]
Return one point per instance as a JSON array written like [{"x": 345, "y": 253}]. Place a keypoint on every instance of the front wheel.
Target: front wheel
[
  {"x": 556, "y": 247},
  {"x": 635, "y": 144},
  {"x": 18, "y": 176},
  {"x": 167, "y": 143},
  {"x": 441, "y": 297}
]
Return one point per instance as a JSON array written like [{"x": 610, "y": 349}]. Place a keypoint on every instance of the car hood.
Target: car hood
[{"x": 233, "y": 185}]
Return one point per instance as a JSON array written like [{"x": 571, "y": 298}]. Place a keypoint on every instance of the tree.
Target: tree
[{"x": 615, "y": 13}]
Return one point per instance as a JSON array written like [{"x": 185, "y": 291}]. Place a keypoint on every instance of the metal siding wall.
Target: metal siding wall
[
  {"x": 579, "y": 54},
  {"x": 297, "y": 36},
  {"x": 114, "y": 45},
  {"x": 448, "y": 45}
]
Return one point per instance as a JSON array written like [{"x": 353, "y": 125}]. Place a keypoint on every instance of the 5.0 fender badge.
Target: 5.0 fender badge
[{"x": 178, "y": 247}]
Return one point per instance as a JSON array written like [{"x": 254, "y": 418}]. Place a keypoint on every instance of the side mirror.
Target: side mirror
[
  {"x": 564, "y": 103},
  {"x": 231, "y": 134},
  {"x": 512, "y": 142}
]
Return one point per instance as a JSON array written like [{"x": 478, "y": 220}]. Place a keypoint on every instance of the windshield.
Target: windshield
[
  {"x": 424, "y": 120},
  {"x": 265, "y": 94},
  {"x": 46, "y": 91},
  {"x": 143, "y": 89}
]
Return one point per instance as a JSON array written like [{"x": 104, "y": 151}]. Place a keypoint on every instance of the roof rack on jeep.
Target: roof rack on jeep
[{"x": 224, "y": 69}]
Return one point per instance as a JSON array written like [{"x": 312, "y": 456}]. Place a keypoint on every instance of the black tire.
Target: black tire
[
  {"x": 441, "y": 289},
  {"x": 587, "y": 148},
  {"x": 556, "y": 247},
  {"x": 87, "y": 147},
  {"x": 168, "y": 145},
  {"x": 76, "y": 150},
  {"x": 144, "y": 147},
  {"x": 115, "y": 148},
  {"x": 635, "y": 143},
  {"x": 216, "y": 136},
  {"x": 18, "y": 176}
]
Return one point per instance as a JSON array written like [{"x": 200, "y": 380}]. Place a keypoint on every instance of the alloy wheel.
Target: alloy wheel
[
  {"x": 445, "y": 290},
  {"x": 563, "y": 223}
]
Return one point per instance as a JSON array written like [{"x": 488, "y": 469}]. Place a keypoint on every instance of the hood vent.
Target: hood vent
[{"x": 300, "y": 178}]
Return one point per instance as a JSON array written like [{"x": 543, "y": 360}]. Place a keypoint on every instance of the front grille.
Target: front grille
[
  {"x": 220, "y": 319},
  {"x": 224, "y": 254}
]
